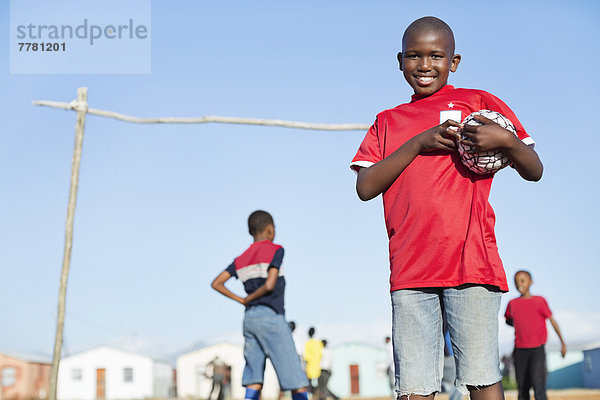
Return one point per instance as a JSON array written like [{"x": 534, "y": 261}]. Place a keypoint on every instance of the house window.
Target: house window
[
  {"x": 9, "y": 376},
  {"x": 76, "y": 374},
  {"x": 127, "y": 374}
]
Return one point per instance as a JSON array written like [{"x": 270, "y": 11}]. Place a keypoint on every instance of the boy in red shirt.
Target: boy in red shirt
[
  {"x": 528, "y": 315},
  {"x": 440, "y": 224}
]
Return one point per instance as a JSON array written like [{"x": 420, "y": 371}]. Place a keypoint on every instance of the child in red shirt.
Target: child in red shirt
[
  {"x": 440, "y": 224},
  {"x": 528, "y": 315}
]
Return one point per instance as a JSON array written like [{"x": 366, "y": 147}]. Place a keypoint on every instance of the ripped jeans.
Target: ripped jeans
[{"x": 472, "y": 314}]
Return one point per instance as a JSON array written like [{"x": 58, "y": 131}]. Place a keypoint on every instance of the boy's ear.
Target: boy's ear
[
  {"x": 399, "y": 57},
  {"x": 270, "y": 230},
  {"x": 454, "y": 63}
]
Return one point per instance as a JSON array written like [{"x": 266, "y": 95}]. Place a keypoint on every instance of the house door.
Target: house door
[
  {"x": 354, "y": 381},
  {"x": 101, "y": 383}
]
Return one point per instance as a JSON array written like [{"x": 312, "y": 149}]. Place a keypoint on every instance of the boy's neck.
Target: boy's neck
[
  {"x": 526, "y": 295},
  {"x": 260, "y": 238},
  {"x": 444, "y": 88}
]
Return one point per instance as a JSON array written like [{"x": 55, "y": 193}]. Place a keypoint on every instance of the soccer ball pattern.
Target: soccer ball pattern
[{"x": 485, "y": 162}]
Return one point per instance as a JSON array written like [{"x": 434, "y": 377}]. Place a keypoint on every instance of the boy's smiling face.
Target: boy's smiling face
[
  {"x": 523, "y": 282},
  {"x": 426, "y": 60}
]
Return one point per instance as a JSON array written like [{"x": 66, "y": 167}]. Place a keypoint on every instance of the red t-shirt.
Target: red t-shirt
[
  {"x": 529, "y": 320},
  {"x": 439, "y": 221}
]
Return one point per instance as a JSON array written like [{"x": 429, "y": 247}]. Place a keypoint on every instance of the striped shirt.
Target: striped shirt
[{"x": 252, "y": 268}]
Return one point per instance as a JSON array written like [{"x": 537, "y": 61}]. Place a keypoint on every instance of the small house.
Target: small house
[
  {"x": 359, "y": 369},
  {"x": 591, "y": 366},
  {"x": 194, "y": 380},
  {"x": 24, "y": 377},
  {"x": 111, "y": 374}
]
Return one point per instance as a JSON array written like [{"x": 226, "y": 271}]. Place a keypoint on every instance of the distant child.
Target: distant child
[
  {"x": 313, "y": 351},
  {"x": 297, "y": 341},
  {"x": 389, "y": 350},
  {"x": 326, "y": 365},
  {"x": 440, "y": 224},
  {"x": 266, "y": 333},
  {"x": 449, "y": 375},
  {"x": 528, "y": 315}
]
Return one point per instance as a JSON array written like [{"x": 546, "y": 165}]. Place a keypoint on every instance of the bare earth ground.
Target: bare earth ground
[{"x": 566, "y": 394}]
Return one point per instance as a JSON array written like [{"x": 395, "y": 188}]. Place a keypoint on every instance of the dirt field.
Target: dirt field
[{"x": 567, "y": 394}]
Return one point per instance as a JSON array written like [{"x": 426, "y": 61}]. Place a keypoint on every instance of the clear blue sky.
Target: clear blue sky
[{"x": 162, "y": 209}]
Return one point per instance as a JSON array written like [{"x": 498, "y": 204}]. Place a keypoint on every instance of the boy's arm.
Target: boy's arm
[
  {"x": 266, "y": 288},
  {"x": 491, "y": 136},
  {"x": 563, "y": 349},
  {"x": 219, "y": 285},
  {"x": 377, "y": 178},
  {"x": 508, "y": 316},
  {"x": 525, "y": 160}
]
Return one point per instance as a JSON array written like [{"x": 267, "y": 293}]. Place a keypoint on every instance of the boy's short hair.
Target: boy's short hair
[
  {"x": 525, "y": 272},
  {"x": 258, "y": 222},
  {"x": 429, "y": 24}
]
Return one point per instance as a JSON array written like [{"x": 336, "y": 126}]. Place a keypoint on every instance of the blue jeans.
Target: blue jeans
[
  {"x": 267, "y": 334},
  {"x": 472, "y": 313}
]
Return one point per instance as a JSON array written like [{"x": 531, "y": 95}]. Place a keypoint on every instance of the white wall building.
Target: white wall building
[
  {"x": 111, "y": 374},
  {"x": 191, "y": 367},
  {"x": 359, "y": 369}
]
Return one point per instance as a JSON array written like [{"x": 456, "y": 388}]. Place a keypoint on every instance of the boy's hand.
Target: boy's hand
[
  {"x": 441, "y": 137},
  {"x": 265, "y": 289},
  {"x": 489, "y": 136},
  {"x": 377, "y": 178},
  {"x": 219, "y": 285}
]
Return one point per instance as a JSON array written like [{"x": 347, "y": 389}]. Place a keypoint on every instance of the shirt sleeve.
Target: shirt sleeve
[
  {"x": 369, "y": 151},
  {"x": 544, "y": 309},
  {"x": 491, "y": 102},
  {"x": 508, "y": 314},
  {"x": 231, "y": 270},
  {"x": 277, "y": 259}
]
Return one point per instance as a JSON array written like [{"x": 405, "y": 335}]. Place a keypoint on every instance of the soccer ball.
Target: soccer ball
[{"x": 485, "y": 162}]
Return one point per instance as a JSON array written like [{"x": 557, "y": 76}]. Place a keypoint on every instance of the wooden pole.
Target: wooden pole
[
  {"x": 81, "y": 107},
  {"x": 206, "y": 119}
]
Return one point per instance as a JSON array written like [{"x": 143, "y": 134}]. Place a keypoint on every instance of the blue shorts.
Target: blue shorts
[
  {"x": 472, "y": 313},
  {"x": 267, "y": 334}
]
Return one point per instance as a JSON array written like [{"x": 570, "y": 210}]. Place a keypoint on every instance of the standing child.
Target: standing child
[
  {"x": 528, "y": 315},
  {"x": 440, "y": 224},
  {"x": 313, "y": 351},
  {"x": 326, "y": 364},
  {"x": 266, "y": 333},
  {"x": 389, "y": 350}
]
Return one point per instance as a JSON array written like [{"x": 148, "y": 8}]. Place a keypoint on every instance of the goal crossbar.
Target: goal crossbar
[{"x": 79, "y": 106}]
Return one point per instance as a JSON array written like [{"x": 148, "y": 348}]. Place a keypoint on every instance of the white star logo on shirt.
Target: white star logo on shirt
[{"x": 451, "y": 105}]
